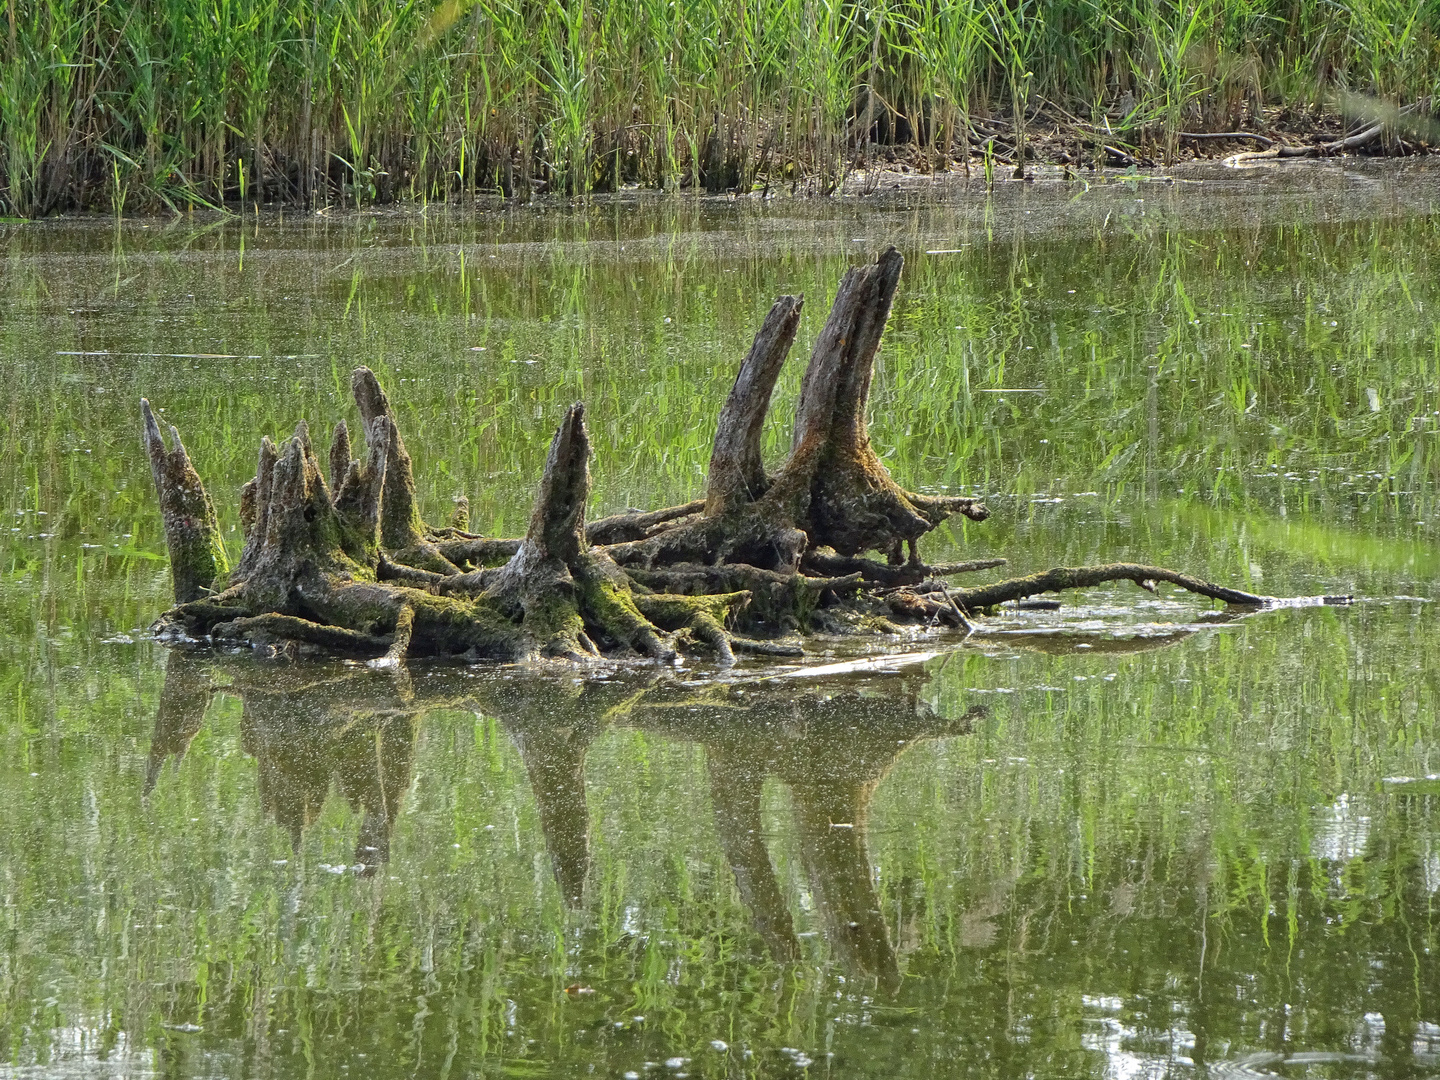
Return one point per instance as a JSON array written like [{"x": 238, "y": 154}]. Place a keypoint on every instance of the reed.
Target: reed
[{"x": 183, "y": 103}]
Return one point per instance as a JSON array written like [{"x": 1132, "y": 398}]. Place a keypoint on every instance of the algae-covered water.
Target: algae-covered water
[{"x": 1137, "y": 836}]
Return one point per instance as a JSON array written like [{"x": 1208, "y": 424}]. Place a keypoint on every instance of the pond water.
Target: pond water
[{"x": 1137, "y": 836}]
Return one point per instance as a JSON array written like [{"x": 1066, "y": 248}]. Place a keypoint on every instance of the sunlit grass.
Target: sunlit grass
[{"x": 184, "y": 103}]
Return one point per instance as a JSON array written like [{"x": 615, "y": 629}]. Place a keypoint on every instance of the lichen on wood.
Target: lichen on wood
[{"x": 349, "y": 566}]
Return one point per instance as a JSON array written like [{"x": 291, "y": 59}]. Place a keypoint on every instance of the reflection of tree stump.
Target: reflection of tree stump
[
  {"x": 552, "y": 725},
  {"x": 831, "y": 749},
  {"x": 350, "y": 567},
  {"x": 184, "y": 697},
  {"x": 304, "y": 738},
  {"x": 831, "y": 818},
  {"x": 735, "y": 790},
  {"x": 299, "y": 756}
]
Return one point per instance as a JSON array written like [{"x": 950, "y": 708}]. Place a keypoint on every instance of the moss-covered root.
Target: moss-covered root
[
  {"x": 833, "y": 491},
  {"x": 703, "y": 616},
  {"x": 610, "y": 611},
  {"x": 197, "y": 554},
  {"x": 834, "y": 486},
  {"x": 401, "y": 529},
  {"x": 779, "y": 601}
]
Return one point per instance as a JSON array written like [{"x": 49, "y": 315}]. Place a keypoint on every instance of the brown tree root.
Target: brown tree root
[
  {"x": 909, "y": 573},
  {"x": 197, "y": 554},
  {"x": 833, "y": 491},
  {"x": 1085, "y": 577},
  {"x": 349, "y": 566}
]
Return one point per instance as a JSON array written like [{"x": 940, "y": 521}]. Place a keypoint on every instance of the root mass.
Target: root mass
[{"x": 348, "y": 565}]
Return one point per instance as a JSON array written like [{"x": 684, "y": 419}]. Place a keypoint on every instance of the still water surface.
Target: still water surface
[{"x": 1133, "y": 837}]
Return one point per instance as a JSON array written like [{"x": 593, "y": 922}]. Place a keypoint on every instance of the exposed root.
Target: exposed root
[
  {"x": 476, "y": 553},
  {"x": 269, "y": 628},
  {"x": 1085, "y": 577},
  {"x": 349, "y": 566},
  {"x": 703, "y": 616},
  {"x": 197, "y": 554},
  {"x": 637, "y": 525},
  {"x": 908, "y": 573},
  {"x": 400, "y": 639}
]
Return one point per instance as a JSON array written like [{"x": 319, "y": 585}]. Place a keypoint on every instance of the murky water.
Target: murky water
[{"x": 1131, "y": 837}]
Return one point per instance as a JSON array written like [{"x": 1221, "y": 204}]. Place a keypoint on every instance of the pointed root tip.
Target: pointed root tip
[
  {"x": 369, "y": 397},
  {"x": 571, "y": 437},
  {"x": 154, "y": 441}
]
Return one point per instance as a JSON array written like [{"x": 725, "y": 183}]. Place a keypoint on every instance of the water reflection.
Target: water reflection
[
  {"x": 829, "y": 745},
  {"x": 1189, "y": 952},
  {"x": 306, "y": 735}
]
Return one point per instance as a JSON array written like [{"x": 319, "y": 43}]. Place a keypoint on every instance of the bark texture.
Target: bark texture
[{"x": 349, "y": 566}]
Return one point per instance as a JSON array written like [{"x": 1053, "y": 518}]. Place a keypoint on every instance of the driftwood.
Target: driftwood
[
  {"x": 348, "y": 565},
  {"x": 1392, "y": 122}
]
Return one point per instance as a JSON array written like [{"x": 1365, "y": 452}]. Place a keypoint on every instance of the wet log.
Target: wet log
[
  {"x": 1086, "y": 577},
  {"x": 349, "y": 566}
]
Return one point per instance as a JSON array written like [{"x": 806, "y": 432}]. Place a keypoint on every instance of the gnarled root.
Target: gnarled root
[
  {"x": 197, "y": 554},
  {"x": 349, "y": 566},
  {"x": 317, "y": 571},
  {"x": 833, "y": 492}
]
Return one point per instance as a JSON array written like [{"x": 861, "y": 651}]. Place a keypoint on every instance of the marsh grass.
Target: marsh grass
[
  {"x": 1154, "y": 829},
  {"x": 182, "y": 103}
]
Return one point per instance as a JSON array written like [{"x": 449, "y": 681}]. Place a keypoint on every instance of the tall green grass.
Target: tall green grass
[{"x": 118, "y": 104}]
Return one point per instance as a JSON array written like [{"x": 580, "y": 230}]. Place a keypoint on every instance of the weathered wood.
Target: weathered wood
[
  {"x": 400, "y": 523},
  {"x": 909, "y": 573},
  {"x": 833, "y": 491},
  {"x": 844, "y": 497},
  {"x": 349, "y": 566},
  {"x": 637, "y": 525},
  {"x": 1085, "y": 577},
  {"x": 737, "y": 472},
  {"x": 339, "y": 455},
  {"x": 197, "y": 553}
]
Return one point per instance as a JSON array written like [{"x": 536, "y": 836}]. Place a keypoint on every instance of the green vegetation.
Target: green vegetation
[
  {"x": 119, "y": 104},
  {"x": 1134, "y": 860}
]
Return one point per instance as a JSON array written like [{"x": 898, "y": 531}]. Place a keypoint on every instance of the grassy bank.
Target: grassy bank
[{"x": 123, "y": 105}]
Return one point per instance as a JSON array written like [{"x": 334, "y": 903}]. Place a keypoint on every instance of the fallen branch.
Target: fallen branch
[
  {"x": 1342, "y": 145},
  {"x": 1085, "y": 577},
  {"x": 1200, "y": 136}
]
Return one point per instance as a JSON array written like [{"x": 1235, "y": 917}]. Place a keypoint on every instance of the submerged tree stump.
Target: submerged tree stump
[{"x": 348, "y": 566}]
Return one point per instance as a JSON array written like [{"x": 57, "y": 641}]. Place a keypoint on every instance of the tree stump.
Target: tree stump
[{"x": 350, "y": 567}]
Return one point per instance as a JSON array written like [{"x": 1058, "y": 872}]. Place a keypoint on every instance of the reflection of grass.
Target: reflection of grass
[
  {"x": 1319, "y": 544},
  {"x": 1107, "y": 818}
]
